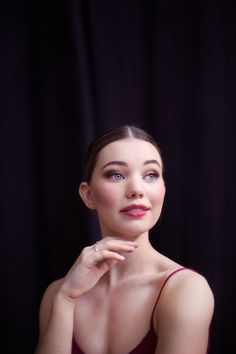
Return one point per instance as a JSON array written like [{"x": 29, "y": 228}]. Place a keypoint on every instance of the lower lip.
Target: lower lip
[{"x": 135, "y": 213}]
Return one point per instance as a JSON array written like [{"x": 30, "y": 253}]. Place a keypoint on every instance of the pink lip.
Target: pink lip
[
  {"x": 135, "y": 206},
  {"x": 136, "y": 210}
]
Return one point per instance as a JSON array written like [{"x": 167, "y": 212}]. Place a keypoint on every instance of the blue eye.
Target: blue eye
[
  {"x": 116, "y": 176},
  {"x": 151, "y": 177}
]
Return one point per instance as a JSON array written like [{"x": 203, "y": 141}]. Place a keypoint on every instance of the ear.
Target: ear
[{"x": 86, "y": 195}]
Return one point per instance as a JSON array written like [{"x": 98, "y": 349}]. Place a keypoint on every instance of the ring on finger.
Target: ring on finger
[{"x": 96, "y": 247}]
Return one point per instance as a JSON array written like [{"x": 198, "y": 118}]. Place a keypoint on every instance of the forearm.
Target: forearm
[{"x": 56, "y": 338}]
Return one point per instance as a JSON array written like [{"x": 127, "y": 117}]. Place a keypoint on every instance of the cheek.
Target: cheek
[
  {"x": 159, "y": 195},
  {"x": 104, "y": 197}
]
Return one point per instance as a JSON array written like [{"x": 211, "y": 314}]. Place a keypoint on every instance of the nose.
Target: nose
[{"x": 134, "y": 190}]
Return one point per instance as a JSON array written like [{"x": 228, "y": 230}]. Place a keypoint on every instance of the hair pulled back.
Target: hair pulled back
[{"x": 115, "y": 134}]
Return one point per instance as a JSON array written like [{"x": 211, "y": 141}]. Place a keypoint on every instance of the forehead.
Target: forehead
[{"x": 128, "y": 150}]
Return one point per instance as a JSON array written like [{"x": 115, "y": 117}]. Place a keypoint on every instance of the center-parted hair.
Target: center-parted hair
[{"x": 115, "y": 134}]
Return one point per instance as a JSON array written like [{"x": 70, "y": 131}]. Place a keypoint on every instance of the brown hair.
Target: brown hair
[{"x": 122, "y": 132}]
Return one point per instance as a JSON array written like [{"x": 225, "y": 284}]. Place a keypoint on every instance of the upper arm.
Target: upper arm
[
  {"x": 46, "y": 305},
  {"x": 184, "y": 315}
]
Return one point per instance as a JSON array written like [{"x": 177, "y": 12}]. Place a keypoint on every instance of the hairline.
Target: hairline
[{"x": 116, "y": 134}]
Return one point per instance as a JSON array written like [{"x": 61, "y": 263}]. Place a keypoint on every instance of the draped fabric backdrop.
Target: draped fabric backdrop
[{"x": 71, "y": 69}]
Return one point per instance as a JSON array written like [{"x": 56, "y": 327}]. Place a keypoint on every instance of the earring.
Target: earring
[{"x": 91, "y": 206}]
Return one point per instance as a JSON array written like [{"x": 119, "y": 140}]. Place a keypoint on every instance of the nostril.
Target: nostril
[{"x": 135, "y": 194}]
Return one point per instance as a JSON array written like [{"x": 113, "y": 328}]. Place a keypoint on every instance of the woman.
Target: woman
[{"x": 121, "y": 295}]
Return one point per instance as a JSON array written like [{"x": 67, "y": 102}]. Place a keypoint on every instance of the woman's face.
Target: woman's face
[{"x": 127, "y": 188}]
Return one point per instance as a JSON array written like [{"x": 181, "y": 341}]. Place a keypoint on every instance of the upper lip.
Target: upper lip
[{"x": 136, "y": 206}]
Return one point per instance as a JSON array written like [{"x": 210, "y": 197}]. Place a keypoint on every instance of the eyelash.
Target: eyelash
[
  {"x": 112, "y": 175},
  {"x": 155, "y": 174}
]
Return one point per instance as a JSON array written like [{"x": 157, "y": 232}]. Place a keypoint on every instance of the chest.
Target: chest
[{"x": 115, "y": 323}]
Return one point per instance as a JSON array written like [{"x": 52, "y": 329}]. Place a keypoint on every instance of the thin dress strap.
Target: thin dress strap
[{"x": 163, "y": 285}]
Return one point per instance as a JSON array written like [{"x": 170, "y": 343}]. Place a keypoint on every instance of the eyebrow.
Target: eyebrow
[{"x": 123, "y": 163}]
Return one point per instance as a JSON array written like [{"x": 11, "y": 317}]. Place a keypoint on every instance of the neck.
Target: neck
[{"x": 135, "y": 263}]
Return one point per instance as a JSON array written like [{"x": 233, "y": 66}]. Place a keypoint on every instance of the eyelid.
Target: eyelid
[
  {"x": 154, "y": 171},
  {"x": 156, "y": 175},
  {"x": 111, "y": 173}
]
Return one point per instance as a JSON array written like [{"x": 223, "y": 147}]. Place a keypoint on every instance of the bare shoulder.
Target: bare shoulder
[
  {"x": 183, "y": 314},
  {"x": 187, "y": 290},
  {"x": 186, "y": 304},
  {"x": 193, "y": 286},
  {"x": 50, "y": 291}
]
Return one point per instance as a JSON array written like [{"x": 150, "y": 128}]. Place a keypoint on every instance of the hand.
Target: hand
[{"x": 93, "y": 262}]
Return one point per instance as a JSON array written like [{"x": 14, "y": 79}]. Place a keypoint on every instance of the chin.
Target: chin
[
  {"x": 132, "y": 232},
  {"x": 130, "y": 229}
]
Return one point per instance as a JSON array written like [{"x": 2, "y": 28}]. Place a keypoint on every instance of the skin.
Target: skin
[{"x": 96, "y": 297}]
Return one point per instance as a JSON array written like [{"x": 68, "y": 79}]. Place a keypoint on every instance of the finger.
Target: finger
[
  {"x": 118, "y": 241},
  {"x": 115, "y": 245},
  {"x": 107, "y": 254}
]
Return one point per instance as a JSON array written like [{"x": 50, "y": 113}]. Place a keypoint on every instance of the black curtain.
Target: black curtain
[{"x": 71, "y": 69}]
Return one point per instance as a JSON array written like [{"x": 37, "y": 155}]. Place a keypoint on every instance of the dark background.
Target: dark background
[{"x": 71, "y": 69}]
